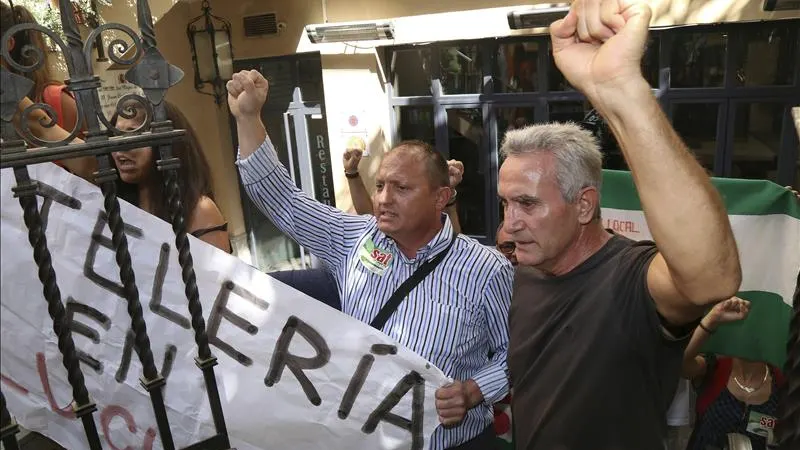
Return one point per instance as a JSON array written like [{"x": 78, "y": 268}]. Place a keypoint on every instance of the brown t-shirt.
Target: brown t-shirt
[{"x": 590, "y": 365}]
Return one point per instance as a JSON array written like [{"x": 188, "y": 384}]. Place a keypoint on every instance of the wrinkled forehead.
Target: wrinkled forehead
[
  {"x": 402, "y": 162},
  {"x": 529, "y": 170}
]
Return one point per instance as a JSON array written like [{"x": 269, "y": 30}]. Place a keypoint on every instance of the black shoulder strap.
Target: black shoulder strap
[
  {"x": 204, "y": 231},
  {"x": 400, "y": 294}
]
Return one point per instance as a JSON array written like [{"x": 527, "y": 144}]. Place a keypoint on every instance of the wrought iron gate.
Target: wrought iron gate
[{"x": 151, "y": 72}]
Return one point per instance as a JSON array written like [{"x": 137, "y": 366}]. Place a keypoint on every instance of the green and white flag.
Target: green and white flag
[{"x": 765, "y": 218}]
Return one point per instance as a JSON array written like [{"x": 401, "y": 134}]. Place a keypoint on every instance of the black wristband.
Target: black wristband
[
  {"x": 351, "y": 175},
  {"x": 706, "y": 329}
]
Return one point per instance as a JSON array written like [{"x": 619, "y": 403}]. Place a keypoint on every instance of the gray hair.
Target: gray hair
[{"x": 579, "y": 163}]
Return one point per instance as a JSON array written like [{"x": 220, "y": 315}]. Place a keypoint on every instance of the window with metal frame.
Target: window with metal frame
[{"x": 727, "y": 88}]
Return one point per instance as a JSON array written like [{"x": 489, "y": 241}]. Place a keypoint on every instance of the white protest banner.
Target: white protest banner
[{"x": 246, "y": 313}]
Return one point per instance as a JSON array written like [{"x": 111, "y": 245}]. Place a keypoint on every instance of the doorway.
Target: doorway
[{"x": 294, "y": 116}]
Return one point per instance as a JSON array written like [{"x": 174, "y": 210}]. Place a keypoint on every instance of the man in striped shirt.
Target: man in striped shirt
[{"x": 456, "y": 317}]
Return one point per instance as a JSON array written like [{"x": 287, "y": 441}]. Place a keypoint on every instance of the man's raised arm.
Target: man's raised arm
[
  {"x": 326, "y": 231},
  {"x": 247, "y": 93},
  {"x": 599, "y": 47}
]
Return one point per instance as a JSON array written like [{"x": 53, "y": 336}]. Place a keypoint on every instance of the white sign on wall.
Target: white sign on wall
[{"x": 114, "y": 87}]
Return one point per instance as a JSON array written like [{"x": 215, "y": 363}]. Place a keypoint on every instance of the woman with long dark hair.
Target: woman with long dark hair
[{"x": 142, "y": 184}]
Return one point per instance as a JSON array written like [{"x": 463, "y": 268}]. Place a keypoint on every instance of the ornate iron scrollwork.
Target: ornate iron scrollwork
[{"x": 150, "y": 71}]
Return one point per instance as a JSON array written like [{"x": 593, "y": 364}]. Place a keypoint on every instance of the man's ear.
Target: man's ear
[
  {"x": 588, "y": 204},
  {"x": 11, "y": 43},
  {"x": 443, "y": 196}
]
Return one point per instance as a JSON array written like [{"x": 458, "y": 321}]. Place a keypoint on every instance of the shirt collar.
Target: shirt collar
[{"x": 439, "y": 242}]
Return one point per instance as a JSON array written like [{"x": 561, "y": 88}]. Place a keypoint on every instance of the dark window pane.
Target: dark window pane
[
  {"x": 516, "y": 66},
  {"x": 466, "y": 137},
  {"x": 757, "y": 140},
  {"x": 557, "y": 82},
  {"x": 272, "y": 250},
  {"x": 796, "y": 182},
  {"x": 281, "y": 83},
  {"x": 769, "y": 56},
  {"x": 416, "y": 122},
  {"x": 696, "y": 124},
  {"x": 650, "y": 61},
  {"x": 698, "y": 60},
  {"x": 577, "y": 112},
  {"x": 511, "y": 119},
  {"x": 568, "y": 111},
  {"x": 412, "y": 72},
  {"x": 310, "y": 78},
  {"x": 461, "y": 70}
]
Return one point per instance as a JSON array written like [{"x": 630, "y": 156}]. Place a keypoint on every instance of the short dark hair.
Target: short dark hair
[{"x": 438, "y": 173}]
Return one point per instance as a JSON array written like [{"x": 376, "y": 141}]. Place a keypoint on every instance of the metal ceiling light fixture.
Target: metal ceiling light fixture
[
  {"x": 212, "y": 53},
  {"x": 352, "y": 31},
  {"x": 540, "y": 16}
]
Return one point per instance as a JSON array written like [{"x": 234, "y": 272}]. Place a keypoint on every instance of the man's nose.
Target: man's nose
[
  {"x": 384, "y": 196},
  {"x": 511, "y": 220}
]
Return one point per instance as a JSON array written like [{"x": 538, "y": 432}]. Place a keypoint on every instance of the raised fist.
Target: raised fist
[
  {"x": 247, "y": 93},
  {"x": 733, "y": 309},
  {"x": 351, "y": 159},
  {"x": 599, "y": 45},
  {"x": 455, "y": 170}
]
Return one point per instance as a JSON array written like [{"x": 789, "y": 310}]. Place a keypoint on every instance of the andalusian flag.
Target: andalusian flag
[{"x": 766, "y": 222}]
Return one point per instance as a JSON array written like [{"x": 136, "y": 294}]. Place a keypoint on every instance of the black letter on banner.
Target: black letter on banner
[
  {"x": 297, "y": 364},
  {"x": 51, "y": 194},
  {"x": 158, "y": 286},
  {"x": 356, "y": 383},
  {"x": 122, "y": 373},
  {"x": 360, "y": 376},
  {"x": 383, "y": 411},
  {"x": 73, "y": 307},
  {"x": 97, "y": 240},
  {"x": 383, "y": 349},
  {"x": 220, "y": 310}
]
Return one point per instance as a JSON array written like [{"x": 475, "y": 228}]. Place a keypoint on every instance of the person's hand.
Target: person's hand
[
  {"x": 455, "y": 170},
  {"x": 794, "y": 191},
  {"x": 452, "y": 403},
  {"x": 733, "y": 309},
  {"x": 351, "y": 159},
  {"x": 247, "y": 93},
  {"x": 600, "y": 43}
]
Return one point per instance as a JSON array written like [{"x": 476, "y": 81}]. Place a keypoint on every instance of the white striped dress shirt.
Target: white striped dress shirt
[{"x": 455, "y": 318}]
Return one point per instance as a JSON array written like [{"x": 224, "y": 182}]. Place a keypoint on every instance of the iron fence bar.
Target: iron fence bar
[
  {"x": 8, "y": 427},
  {"x": 159, "y": 77},
  {"x": 14, "y": 89},
  {"x": 85, "y": 84},
  {"x": 115, "y": 144}
]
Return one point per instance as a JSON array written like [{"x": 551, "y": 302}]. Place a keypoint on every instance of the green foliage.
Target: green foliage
[{"x": 48, "y": 15}]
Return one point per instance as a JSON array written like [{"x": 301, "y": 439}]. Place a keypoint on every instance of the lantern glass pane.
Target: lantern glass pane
[{"x": 205, "y": 65}]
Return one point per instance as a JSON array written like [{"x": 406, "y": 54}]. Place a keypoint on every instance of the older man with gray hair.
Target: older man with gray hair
[{"x": 598, "y": 322}]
